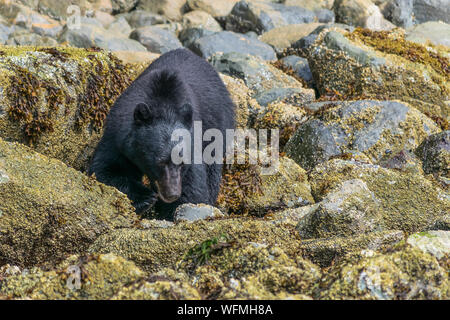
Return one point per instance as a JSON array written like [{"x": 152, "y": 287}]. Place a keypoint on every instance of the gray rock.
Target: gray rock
[
  {"x": 5, "y": 31},
  {"x": 259, "y": 76},
  {"x": 122, "y": 44},
  {"x": 435, "y": 154},
  {"x": 436, "y": 32},
  {"x": 23, "y": 37},
  {"x": 350, "y": 209},
  {"x": 226, "y": 42},
  {"x": 294, "y": 96},
  {"x": 306, "y": 42},
  {"x": 436, "y": 243},
  {"x": 399, "y": 12},
  {"x": 191, "y": 212},
  {"x": 324, "y": 15},
  {"x": 300, "y": 66},
  {"x": 87, "y": 36},
  {"x": 366, "y": 126},
  {"x": 262, "y": 16},
  {"x": 156, "y": 39},
  {"x": 121, "y": 6},
  {"x": 120, "y": 28},
  {"x": 140, "y": 18},
  {"x": 431, "y": 10},
  {"x": 190, "y": 35}
]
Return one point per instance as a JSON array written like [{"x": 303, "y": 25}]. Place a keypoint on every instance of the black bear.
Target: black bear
[{"x": 174, "y": 91}]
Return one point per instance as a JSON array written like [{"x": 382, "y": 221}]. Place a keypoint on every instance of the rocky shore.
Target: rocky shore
[{"x": 360, "y": 205}]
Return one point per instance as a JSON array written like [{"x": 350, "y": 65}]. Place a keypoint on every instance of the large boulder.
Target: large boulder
[
  {"x": 48, "y": 210},
  {"x": 383, "y": 65},
  {"x": 431, "y": 10},
  {"x": 260, "y": 16},
  {"x": 399, "y": 12},
  {"x": 172, "y": 9},
  {"x": 409, "y": 202},
  {"x": 200, "y": 19},
  {"x": 227, "y": 42},
  {"x": 393, "y": 276},
  {"x": 374, "y": 128},
  {"x": 360, "y": 13},
  {"x": 268, "y": 83},
  {"x": 56, "y": 99},
  {"x": 437, "y": 32},
  {"x": 156, "y": 40},
  {"x": 216, "y": 8},
  {"x": 435, "y": 154}
]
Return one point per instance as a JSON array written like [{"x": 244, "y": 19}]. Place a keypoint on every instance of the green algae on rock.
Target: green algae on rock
[
  {"x": 400, "y": 275},
  {"x": 409, "y": 202},
  {"x": 155, "y": 248},
  {"x": 382, "y": 65},
  {"x": 49, "y": 210},
  {"x": 78, "y": 277},
  {"x": 368, "y": 126},
  {"x": 56, "y": 99},
  {"x": 246, "y": 190}
]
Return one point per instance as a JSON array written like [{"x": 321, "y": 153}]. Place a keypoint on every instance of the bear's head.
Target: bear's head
[{"x": 153, "y": 147}]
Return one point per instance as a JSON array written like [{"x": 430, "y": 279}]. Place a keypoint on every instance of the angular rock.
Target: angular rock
[
  {"x": 258, "y": 75},
  {"x": 190, "y": 212},
  {"x": 435, "y": 154},
  {"x": 120, "y": 27},
  {"x": 368, "y": 126},
  {"x": 48, "y": 210},
  {"x": 156, "y": 39},
  {"x": 121, "y": 6},
  {"x": 141, "y": 18},
  {"x": 246, "y": 188},
  {"x": 227, "y": 42},
  {"x": 437, "y": 32},
  {"x": 216, "y": 8},
  {"x": 324, "y": 15},
  {"x": 360, "y": 13},
  {"x": 399, "y": 12},
  {"x": 376, "y": 64},
  {"x": 409, "y": 202},
  {"x": 200, "y": 19},
  {"x": 188, "y": 36},
  {"x": 349, "y": 210},
  {"x": 172, "y": 9},
  {"x": 299, "y": 66},
  {"x": 23, "y": 37},
  {"x": 282, "y": 38},
  {"x": 260, "y": 16},
  {"x": 436, "y": 243},
  {"x": 55, "y": 101},
  {"x": 431, "y": 10}
]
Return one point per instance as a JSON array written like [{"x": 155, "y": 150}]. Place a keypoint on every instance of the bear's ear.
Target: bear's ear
[
  {"x": 142, "y": 113},
  {"x": 185, "y": 113}
]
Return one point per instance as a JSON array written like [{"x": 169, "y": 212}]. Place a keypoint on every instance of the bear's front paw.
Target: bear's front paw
[{"x": 145, "y": 204}]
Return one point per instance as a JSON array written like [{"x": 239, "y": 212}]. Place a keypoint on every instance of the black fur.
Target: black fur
[{"x": 175, "y": 90}]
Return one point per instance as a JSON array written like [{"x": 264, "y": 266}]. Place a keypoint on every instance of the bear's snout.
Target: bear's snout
[{"x": 169, "y": 185}]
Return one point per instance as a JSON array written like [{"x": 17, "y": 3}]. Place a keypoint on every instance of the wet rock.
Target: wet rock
[
  {"x": 216, "y": 8},
  {"x": 262, "y": 16},
  {"x": 442, "y": 223},
  {"x": 156, "y": 248},
  {"x": 436, "y": 243},
  {"x": 360, "y": 13},
  {"x": 121, "y": 6},
  {"x": 55, "y": 101},
  {"x": 226, "y": 42},
  {"x": 431, "y": 10},
  {"x": 188, "y": 36},
  {"x": 255, "y": 189},
  {"x": 141, "y": 18},
  {"x": 436, "y": 32},
  {"x": 156, "y": 39},
  {"x": 300, "y": 67},
  {"x": 350, "y": 209},
  {"x": 172, "y": 9},
  {"x": 397, "y": 193},
  {"x": 282, "y": 38},
  {"x": 200, "y": 19},
  {"x": 368, "y": 126},
  {"x": 246, "y": 107},
  {"x": 258, "y": 75},
  {"x": 374, "y": 64},
  {"x": 327, "y": 251},
  {"x": 49, "y": 210},
  {"x": 399, "y": 12},
  {"x": 401, "y": 275},
  {"x": 190, "y": 212},
  {"x": 79, "y": 277},
  {"x": 435, "y": 154}
]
